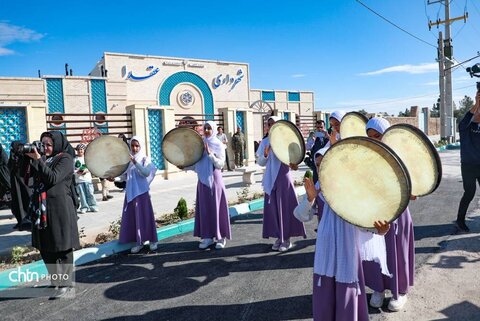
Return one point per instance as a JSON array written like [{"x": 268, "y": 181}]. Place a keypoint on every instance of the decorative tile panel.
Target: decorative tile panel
[
  {"x": 55, "y": 95},
  {"x": 292, "y": 96},
  {"x": 155, "y": 123},
  {"x": 99, "y": 100},
  {"x": 55, "y": 98},
  {"x": 286, "y": 116},
  {"x": 268, "y": 95},
  {"x": 187, "y": 77},
  {"x": 13, "y": 126},
  {"x": 240, "y": 116}
]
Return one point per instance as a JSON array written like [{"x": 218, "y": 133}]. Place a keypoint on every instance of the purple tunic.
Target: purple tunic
[
  {"x": 211, "y": 210},
  {"x": 278, "y": 219},
  {"x": 400, "y": 248},
  {"x": 138, "y": 221},
  {"x": 335, "y": 301}
]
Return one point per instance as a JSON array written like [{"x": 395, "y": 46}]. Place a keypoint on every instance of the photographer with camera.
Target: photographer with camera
[
  {"x": 54, "y": 228},
  {"x": 469, "y": 129}
]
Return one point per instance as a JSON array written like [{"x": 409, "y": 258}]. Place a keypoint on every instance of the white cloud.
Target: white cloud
[
  {"x": 10, "y": 34},
  {"x": 298, "y": 76},
  {"x": 6, "y": 52},
  {"x": 410, "y": 69}
]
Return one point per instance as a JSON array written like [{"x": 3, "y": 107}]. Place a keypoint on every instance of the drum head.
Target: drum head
[
  {"x": 363, "y": 181},
  {"x": 287, "y": 142},
  {"x": 107, "y": 156},
  {"x": 419, "y": 156},
  {"x": 182, "y": 147},
  {"x": 353, "y": 125}
]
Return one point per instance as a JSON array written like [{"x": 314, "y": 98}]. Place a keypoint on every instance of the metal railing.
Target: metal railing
[{"x": 82, "y": 127}]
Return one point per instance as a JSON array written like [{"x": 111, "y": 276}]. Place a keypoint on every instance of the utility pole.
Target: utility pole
[
  {"x": 441, "y": 82},
  {"x": 445, "y": 70}
]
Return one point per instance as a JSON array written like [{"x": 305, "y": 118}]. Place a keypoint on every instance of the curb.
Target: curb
[
  {"x": 107, "y": 249},
  {"x": 449, "y": 147}
]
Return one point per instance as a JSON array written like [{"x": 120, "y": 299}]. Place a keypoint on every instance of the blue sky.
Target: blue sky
[{"x": 348, "y": 56}]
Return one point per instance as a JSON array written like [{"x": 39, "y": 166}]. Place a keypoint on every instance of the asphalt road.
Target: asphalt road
[{"x": 244, "y": 281}]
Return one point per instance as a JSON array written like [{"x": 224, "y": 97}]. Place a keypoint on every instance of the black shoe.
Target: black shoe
[
  {"x": 462, "y": 227},
  {"x": 105, "y": 198},
  {"x": 109, "y": 196}
]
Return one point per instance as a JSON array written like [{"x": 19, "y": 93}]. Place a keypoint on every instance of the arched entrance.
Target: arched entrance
[
  {"x": 186, "y": 77},
  {"x": 262, "y": 110}
]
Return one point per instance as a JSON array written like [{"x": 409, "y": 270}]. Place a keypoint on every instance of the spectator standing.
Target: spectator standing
[
  {"x": 238, "y": 142},
  {"x": 83, "y": 182},
  {"x": 469, "y": 129},
  {"x": 223, "y": 138}
]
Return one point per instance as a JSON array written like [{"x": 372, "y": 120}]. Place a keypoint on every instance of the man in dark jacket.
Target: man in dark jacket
[
  {"x": 469, "y": 129},
  {"x": 19, "y": 166},
  {"x": 54, "y": 228},
  {"x": 4, "y": 179}
]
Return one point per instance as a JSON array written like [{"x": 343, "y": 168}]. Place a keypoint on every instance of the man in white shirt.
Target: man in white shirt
[{"x": 223, "y": 138}]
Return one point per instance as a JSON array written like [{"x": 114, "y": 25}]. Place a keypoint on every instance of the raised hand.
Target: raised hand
[
  {"x": 382, "y": 227},
  {"x": 310, "y": 189}
]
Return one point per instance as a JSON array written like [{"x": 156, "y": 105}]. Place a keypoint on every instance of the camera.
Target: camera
[{"x": 28, "y": 148}]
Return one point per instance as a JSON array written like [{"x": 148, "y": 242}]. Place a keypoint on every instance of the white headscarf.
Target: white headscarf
[
  {"x": 379, "y": 124},
  {"x": 273, "y": 163},
  {"x": 338, "y": 115},
  {"x": 137, "y": 184},
  {"x": 204, "y": 167}
]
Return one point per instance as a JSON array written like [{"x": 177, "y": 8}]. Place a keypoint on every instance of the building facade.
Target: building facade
[{"x": 157, "y": 92}]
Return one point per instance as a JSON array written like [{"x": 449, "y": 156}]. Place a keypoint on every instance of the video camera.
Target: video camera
[
  {"x": 474, "y": 71},
  {"x": 28, "y": 148}
]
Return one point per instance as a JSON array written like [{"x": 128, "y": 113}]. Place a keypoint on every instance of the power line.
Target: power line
[
  {"x": 399, "y": 100},
  {"x": 395, "y": 25}
]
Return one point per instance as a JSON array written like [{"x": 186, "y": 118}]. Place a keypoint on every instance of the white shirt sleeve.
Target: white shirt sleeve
[
  {"x": 217, "y": 162},
  {"x": 261, "y": 159},
  {"x": 305, "y": 210}
]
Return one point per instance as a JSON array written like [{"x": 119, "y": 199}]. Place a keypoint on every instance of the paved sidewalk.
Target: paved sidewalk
[{"x": 165, "y": 195}]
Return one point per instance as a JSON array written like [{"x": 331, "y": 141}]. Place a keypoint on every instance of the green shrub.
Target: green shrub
[
  {"x": 17, "y": 254},
  {"x": 114, "y": 228},
  {"x": 181, "y": 210}
]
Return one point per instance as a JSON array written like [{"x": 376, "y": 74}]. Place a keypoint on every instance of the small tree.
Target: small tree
[
  {"x": 435, "y": 111},
  {"x": 181, "y": 210},
  {"x": 465, "y": 105},
  {"x": 404, "y": 114}
]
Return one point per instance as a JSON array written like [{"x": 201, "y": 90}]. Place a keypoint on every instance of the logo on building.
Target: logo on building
[
  {"x": 228, "y": 80},
  {"x": 153, "y": 72}
]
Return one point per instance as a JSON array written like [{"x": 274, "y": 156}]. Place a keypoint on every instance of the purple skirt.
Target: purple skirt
[
  {"x": 278, "y": 219},
  {"x": 400, "y": 248},
  {"x": 335, "y": 301},
  {"x": 211, "y": 210},
  {"x": 138, "y": 221}
]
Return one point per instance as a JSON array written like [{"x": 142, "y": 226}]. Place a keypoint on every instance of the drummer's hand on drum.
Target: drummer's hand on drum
[
  {"x": 132, "y": 158},
  {"x": 310, "y": 189},
  {"x": 382, "y": 227},
  {"x": 266, "y": 151},
  {"x": 294, "y": 166}
]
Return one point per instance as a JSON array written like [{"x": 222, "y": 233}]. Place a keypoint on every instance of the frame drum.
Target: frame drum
[
  {"x": 107, "y": 156},
  {"x": 287, "y": 142},
  {"x": 353, "y": 125},
  {"x": 419, "y": 156},
  {"x": 182, "y": 147},
  {"x": 364, "y": 181}
]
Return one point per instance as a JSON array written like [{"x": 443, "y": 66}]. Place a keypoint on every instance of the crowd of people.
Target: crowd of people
[{"x": 49, "y": 188}]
